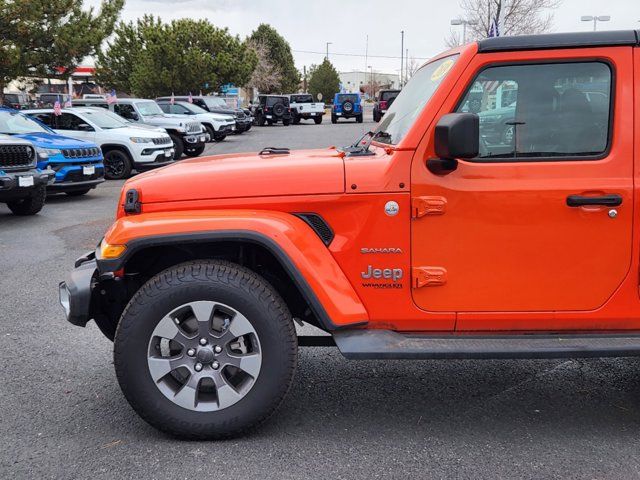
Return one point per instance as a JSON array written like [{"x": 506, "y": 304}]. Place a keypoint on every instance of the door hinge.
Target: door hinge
[
  {"x": 428, "y": 276},
  {"x": 421, "y": 206}
]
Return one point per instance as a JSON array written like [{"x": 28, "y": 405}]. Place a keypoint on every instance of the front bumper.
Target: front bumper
[
  {"x": 76, "y": 292},
  {"x": 244, "y": 124},
  {"x": 195, "y": 140},
  {"x": 71, "y": 186},
  {"x": 161, "y": 160},
  {"x": 10, "y": 187}
]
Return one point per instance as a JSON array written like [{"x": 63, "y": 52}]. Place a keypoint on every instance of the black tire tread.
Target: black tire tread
[{"x": 230, "y": 274}]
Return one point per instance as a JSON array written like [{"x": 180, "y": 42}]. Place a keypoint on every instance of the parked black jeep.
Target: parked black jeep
[{"x": 272, "y": 109}]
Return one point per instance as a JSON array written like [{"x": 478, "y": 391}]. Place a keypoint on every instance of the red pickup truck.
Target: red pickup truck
[{"x": 491, "y": 214}]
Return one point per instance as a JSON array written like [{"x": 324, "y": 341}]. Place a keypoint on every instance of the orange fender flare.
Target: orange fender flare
[{"x": 300, "y": 251}]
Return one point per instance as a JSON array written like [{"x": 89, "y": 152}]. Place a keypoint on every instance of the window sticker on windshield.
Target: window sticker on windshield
[{"x": 442, "y": 70}]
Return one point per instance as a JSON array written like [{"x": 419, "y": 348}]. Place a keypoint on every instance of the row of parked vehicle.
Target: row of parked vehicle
[
  {"x": 288, "y": 109},
  {"x": 72, "y": 150}
]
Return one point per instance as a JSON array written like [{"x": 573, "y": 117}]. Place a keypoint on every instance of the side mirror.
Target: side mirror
[
  {"x": 134, "y": 116},
  {"x": 457, "y": 135},
  {"x": 85, "y": 127}
]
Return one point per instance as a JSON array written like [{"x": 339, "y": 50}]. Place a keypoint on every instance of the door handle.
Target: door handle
[{"x": 612, "y": 200}]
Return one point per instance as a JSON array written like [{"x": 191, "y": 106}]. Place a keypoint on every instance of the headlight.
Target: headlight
[
  {"x": 141, "y": 140},
  {"x": 47, "y": 152}
]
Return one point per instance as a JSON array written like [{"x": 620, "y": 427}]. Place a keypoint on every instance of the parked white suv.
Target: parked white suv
[
  {"x": 188, "y": 136},
  {"x": 218, "y": 125},
  {"x": 124, "y": 145}
]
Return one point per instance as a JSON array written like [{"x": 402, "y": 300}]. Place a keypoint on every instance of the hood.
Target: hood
[
  {"x": 302, "y": 172},
  {"x": 139, "y": 130},
  {"x": 167, "y": 119},
  {"x": 52, "y": 140}
]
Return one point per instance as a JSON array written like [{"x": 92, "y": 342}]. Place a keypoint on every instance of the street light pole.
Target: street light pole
[
  {"x": 327, "y": 57},
  {"x": 595, "y": 19},
  {"x": 401, "y": 55}
]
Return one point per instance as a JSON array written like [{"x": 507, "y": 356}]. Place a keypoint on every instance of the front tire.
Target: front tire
[
  {"x": 178, "y": 146},
  {"x": 167, "y": 359},
  {"x": 117, "y": 165},
  {"x": 317, "y": 120},
  {"x": 334, "y": 119},
  {"x": 30, "y": 205}
]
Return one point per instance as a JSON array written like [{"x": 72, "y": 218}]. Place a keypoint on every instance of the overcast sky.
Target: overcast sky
[{"x": 309, "y": 24}]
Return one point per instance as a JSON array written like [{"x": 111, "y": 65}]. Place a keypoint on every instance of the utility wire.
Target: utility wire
[{"x": 358, "y": 55}]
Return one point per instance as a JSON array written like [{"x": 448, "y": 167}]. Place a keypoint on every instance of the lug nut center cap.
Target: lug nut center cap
[{"x": 205, "y": 355}]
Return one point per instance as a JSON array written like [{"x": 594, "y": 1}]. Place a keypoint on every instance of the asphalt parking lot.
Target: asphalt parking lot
[{"x": 63, "y": 415}]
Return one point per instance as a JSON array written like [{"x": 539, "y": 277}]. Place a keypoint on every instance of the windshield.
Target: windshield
[
  {"x": 271, "y": 101},
  {"x": 148, "y": 108},
  {"x": 105, "y": 119},
  {"x": 301, "y": 98},
  {"x": 351, "y": 97},
  {"x": 215, "y": 102},
  {"x": 410, "y": 102},
  {"x": 12, "y": 123},
  {"x": 386, "y": 96},
  {"x": 192, "y": 108}
]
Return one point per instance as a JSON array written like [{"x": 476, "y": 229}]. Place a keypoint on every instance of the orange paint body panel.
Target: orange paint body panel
[
  {"x": 303, "y": 247},
  {"x": 492, "y": 247}
]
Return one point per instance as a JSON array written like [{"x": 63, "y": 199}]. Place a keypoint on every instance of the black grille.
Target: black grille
[
  {"x": 162, "y": 141},
  {"x": 81, "y": 152},
  {"x": 322, "y": 228},
  {"x": 16, "y": 156}
]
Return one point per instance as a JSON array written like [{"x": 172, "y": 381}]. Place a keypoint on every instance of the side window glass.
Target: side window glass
[
  {"x": 44, "y": 118},
  {"x": 124, "y": 110},
  {"x": 552, "y": 110},
  {"x": 67, "y": 121}
]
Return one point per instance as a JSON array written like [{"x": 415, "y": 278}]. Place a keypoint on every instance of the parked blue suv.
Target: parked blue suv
[
  {"x": 77, "y": 164},
  {"x": 346, "y": 105}
]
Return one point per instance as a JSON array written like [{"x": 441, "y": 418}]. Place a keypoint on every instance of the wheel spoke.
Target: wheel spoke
[
  {"x": 187, "y": 396},
  {"x": 167, "y": 328},
  {"x": 227, "y": 395},
  {"x": 202, "y": 312},
  {"x": 159, "y": 367},
  {"x": 240, "y": 326},
  {"x": 250, "y": 364}
]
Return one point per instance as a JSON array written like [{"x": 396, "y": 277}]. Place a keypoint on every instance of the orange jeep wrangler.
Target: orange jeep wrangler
[{"x": 490, "y": 215}]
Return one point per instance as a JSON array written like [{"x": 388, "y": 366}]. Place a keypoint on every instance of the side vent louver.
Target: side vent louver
[{"x": 318, "y": 224}]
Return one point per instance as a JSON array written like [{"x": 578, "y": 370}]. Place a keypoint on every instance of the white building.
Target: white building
[{"x": 358, "y": 80}]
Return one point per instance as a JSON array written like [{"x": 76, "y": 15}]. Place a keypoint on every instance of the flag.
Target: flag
[
  {"x": 173, "y": 99},
  {"x": 494, "y": 31},
  {"x": 111, "y": 97},
  {"x": 57, "y": 108},
  {"x": 190, "y": 98}
]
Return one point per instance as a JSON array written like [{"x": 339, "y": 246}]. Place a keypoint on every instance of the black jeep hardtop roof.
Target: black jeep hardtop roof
[{"x": 612, "y": 38}]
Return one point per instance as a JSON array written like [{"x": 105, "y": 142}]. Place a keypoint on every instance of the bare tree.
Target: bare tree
[
  {"x": 518, "y": 17},
  {"x": 413, "y": 66},
  {"x": 266, "y": 76}
]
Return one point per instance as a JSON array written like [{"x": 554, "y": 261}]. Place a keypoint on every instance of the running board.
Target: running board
[{"x": 387, "y": 344}]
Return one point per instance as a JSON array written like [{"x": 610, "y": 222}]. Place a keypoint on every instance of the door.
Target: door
[
  {"x": 71, "y": 125},
  {"x": 533, "y": 223}
]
